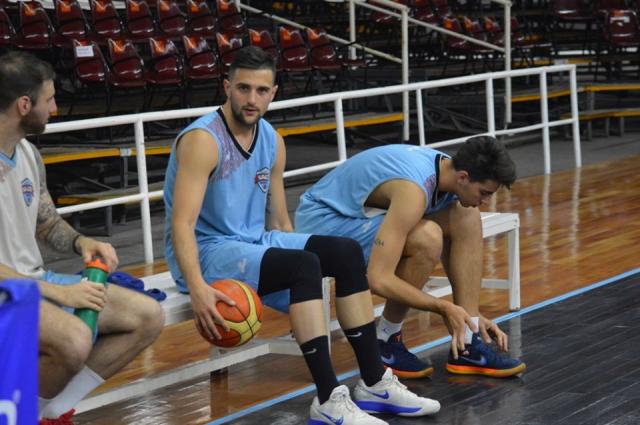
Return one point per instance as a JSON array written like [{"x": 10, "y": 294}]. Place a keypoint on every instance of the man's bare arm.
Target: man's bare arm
[
  {"x": 277, "y": 215},
  {"x": 50, "y": 227},
  {"x": 80, "y": 295}
]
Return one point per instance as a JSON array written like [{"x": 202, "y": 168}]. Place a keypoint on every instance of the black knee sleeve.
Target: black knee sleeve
[
  {"x": 342, "y": 259},
  {"x": 293, "y": 269}
]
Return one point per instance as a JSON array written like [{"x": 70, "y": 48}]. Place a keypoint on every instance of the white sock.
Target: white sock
[
  {"x": 467, "y": 330},
  {"x": 42, "y": 403},
  {"x": 386, "y": 328},
  {"x": 80, "y": 385}
]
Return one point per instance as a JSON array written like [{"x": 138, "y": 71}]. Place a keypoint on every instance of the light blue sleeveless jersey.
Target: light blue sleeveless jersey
[
  {"x": 346, "y": 188},
  {"x": 335, "y": 205},
  {"x": 235, "y": 200}
]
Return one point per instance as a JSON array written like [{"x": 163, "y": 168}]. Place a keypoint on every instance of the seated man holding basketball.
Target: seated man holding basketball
[{"x": 224, "y": 187}]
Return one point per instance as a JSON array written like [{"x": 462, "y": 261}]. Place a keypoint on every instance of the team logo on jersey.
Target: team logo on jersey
[
  {"x": 262, "y": 179},
  {"x": 27, "y": 191}
]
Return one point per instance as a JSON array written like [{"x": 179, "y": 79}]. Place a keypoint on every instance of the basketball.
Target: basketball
[{"x": 244, "y": 318}]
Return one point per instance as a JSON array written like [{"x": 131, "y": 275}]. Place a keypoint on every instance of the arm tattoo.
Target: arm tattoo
[
  {"x": 378, "y": 242},
  {"x": 50, "y": 227}
]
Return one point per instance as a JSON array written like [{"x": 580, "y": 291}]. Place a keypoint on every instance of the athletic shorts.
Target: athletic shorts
[
  {"x": 62, "y": 279},
  {"x": 322, "y": 220},
  {"x": 233, "y": 259}
]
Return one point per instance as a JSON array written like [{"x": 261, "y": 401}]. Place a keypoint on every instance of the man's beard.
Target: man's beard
[
  {"x": 237, "y": 115},
  {"x": 31, "y": 125}
]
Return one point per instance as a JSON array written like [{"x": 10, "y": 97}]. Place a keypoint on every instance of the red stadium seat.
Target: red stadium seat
[
  {"x": 200, "y": 20},
  {"x": 36, "y": 31},
  {"x": 127, "y": 68},
  {"x": 230, "y": 19},
  {"x": 227, "y": 47},
  {"x": 71, "y": 23},
  {"x": 172, "y": 22},
  {"x": 140, "y": 22},
  {"x": 7, "y": 32},
  {"x": 263, "y": 39},
  {"x": 201, "y": 64},
  {"x": 105, "y": 21},
  {"x": 165, "y": 68},
  {"x": 90, "y": 70}
]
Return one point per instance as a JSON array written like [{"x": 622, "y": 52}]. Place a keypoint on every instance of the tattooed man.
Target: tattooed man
[
  {"x": 410, "y": 207},
  {"x": 71, "y": 363}
]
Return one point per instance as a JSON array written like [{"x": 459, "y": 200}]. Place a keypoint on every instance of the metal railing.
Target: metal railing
[
  {"x": 137, "y": 120},
  {"x": 401, "y": 12}
]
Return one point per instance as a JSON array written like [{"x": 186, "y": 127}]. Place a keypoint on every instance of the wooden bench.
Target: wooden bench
[
  {"x": 177, "y": 308},
  {"x": 607, "y": 115},
  {"x": 329, "y": 124}
]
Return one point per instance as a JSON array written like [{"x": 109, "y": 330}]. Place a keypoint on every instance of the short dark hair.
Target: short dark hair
[
  {"x": 485, "y": 158},
  {"x": 252, "y": 57},
  {"x": 22, "y": 74}
]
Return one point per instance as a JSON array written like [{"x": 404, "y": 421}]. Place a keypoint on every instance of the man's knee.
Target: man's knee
[
  {"x": 343, "y": 259},
  {"x": 465, "y": 221},
  {"x": 306, "y": 280},
  {"x": 425, "y": 241},
  {"x": 149, "y": 318},
  {"x": 70, "y": 347}
]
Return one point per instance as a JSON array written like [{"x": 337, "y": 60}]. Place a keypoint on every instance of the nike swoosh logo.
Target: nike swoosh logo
[
  {"x": 334, "y": 420},
  {"x": 359, "y": 334},
  {"x": 384, "y": 395},
  {"x": 390, "y": 359},
  {"x": 306, "y": 353},
  {"x": 481, "y": 362}
]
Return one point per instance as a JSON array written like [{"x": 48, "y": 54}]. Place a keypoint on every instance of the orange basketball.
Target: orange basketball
[{"x": 244, "y": 318}]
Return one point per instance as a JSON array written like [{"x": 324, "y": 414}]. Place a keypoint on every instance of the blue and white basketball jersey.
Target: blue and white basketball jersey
[
  {"x": 346, "y": 189},
  {"x": 236, "y": 196}
]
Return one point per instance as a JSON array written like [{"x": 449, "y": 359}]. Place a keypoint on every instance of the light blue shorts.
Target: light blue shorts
[
  {"x": 62, "y": 279},
  {"x": 323, "y": 220},
  {"x": 232, "y": 259}
]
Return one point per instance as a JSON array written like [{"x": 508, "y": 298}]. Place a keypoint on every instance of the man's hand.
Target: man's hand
[
  {"x": 206, "y": 315},
  {"x": 90, "y": 248},
  {"x": 490, "y": 331},
  {"x": 456, "y": 317},
  {"x": 85, "y": 294}
]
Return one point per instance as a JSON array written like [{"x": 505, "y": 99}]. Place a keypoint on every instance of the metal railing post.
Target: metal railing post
[
  {"x": 491, "y": 116},
  {"x": 405, "y": 74},
  {"x": 544, "y": 115},
  {"x": 575, "y": 125},
  {"x": 507, "y": 65},
  {"x": 340, "y": 133},
  {"x": 145, "y": 210},
  {"x": 352, "y": 29},
  {"x": 419, "y": 112}
]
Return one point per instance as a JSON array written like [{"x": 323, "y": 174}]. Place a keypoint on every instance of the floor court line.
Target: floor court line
[{"x": 429, "y": 345}]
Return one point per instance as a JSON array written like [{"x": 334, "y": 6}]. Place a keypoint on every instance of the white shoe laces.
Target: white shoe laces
[
  {"x": 341, "y": 397},
  {"x": 395, "y": 382}
]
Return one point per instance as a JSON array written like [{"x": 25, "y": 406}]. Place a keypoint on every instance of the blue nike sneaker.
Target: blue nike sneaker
[
  {"x": 404, "y": 364},
  {"x": 480, "y": 359}
]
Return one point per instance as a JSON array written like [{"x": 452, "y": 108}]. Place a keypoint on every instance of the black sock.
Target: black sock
[
  {"x": 364, "y": 341},
  {"x": 316, "y": 354}
]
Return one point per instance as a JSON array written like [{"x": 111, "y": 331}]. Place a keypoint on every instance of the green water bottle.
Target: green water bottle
[{"x": 95, "y": 271}]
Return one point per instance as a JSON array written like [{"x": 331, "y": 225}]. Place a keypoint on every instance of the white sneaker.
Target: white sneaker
[
  {"x": 390, "y": 396},
  {"x": 340, "y": 410}
]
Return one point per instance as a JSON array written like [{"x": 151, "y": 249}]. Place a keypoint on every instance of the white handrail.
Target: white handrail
[{"x": 137, "y": 120}]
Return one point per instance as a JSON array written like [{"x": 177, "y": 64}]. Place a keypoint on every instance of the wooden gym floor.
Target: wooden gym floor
[
  {"x": 578, "y": 227},
  {"x": 578, "y": 371}
]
